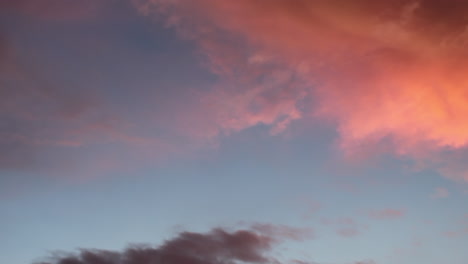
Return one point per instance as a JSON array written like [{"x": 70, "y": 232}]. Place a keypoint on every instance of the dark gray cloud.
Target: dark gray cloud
[
  {"x": 254, "y": 245},
  {"x": 215, "y": 247}
]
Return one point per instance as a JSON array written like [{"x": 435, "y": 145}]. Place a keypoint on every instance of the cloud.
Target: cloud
[
  {"x": 35, "y": 111},
  {"x": 292, "y": 233},
  {"x": 345, "y": 227},
  {"x": 218, "y": 246},
  {"x": 348, "y": 232},
  {"x": 55, "y": 119},
  {"x": 391, "y": 75},
  {"x": 54, "y": 9},
  {"x": 441, "y": 193},
  {"x": 312, "y": 207},
  {"x": 386, "y": 214},
  {"x": 297, "y": 261},
  {"x": 366, "y": 262},
  {"x": 40, "y": 115},
  {"x": 461, "y": 229}
]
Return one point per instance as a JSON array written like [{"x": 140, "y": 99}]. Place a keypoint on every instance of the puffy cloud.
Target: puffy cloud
[{"x": 390, "y": 74}]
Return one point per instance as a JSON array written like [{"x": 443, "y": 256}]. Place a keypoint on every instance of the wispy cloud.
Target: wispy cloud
[
  {"x": 218, "y": 246},
  {"x": 282, "y": 231},
  {"x": 346, "y": 227},
  {"x": 386, "y": 214},
  {"x": 55, "y": 9},
  {"x": 53, "y": 125},
  {"x": 441, "y": 193}
]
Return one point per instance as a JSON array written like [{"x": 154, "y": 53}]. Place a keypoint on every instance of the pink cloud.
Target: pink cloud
[
  {"x": 456, "y": 233},
  {"x": 461, "y": 230},
  {"x": 348, "y": 232},
  {"x": 387, "y": 214},
  {"x": 390, "y": 75},
  {"x": 441, "y": 193},
  {"x": 282, "y": 231},
  {"x": 345, "y": 227},
  {"x": 312, "y": 208},
  {"x": 382, "y": 73}
]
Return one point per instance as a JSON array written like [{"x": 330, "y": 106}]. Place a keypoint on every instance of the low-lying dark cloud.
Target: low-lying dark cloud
[
  {"x": 215, "y": 247},
  {"x": 255, "y": 245}
]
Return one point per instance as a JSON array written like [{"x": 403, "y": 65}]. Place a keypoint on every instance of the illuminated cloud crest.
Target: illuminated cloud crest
[{"x": 391, "y": 74}]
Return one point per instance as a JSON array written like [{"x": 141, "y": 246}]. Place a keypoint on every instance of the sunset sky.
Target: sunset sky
[{"x": 234, "y": 131}]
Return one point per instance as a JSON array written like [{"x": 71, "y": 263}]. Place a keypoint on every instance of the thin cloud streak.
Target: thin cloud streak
[
  {"x": 387, "y": 214},
  {"x": 441, "y": 193}
]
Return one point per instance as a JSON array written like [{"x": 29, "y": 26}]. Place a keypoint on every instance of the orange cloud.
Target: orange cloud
[{"x": 390, "y": 72}]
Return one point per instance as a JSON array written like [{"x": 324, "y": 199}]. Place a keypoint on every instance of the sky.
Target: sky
[{"x": 228, "y": 132}]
